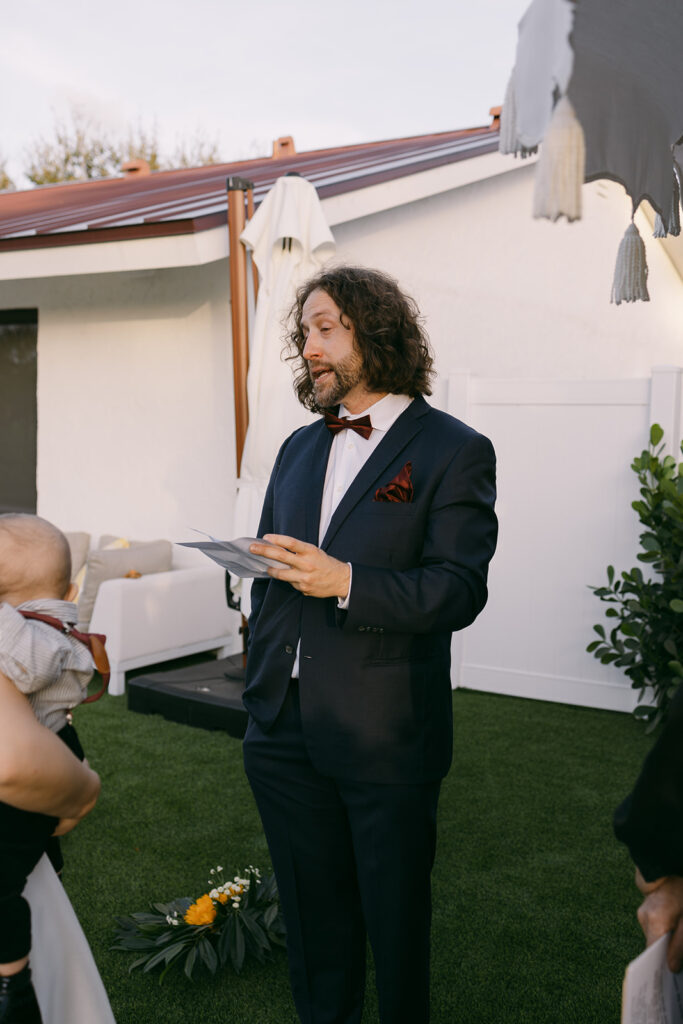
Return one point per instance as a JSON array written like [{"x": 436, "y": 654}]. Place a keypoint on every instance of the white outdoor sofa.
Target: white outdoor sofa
[{"x": 165, "y": 615}]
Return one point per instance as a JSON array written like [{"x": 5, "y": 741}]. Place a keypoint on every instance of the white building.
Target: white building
[{"x": 123, "y": 289}]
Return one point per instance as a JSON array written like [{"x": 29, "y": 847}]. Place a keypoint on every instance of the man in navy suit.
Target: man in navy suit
[{"x": 382, "y": 513}]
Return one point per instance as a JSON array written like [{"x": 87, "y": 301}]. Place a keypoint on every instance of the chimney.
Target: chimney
[
  {"x": 495, "y": 114},
  {"x": 135, "y": 168},
  {"x": 283, "y": 147}
]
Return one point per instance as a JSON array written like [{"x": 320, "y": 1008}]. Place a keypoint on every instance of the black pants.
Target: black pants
[
  {"x": 24, "y": 838},
  {"x": 351, "y": 858}
]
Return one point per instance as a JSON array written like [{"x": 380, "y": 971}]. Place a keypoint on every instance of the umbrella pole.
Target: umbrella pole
[
  {"x": 238, "y": 303},
  {"x": 240, "y": 337}
]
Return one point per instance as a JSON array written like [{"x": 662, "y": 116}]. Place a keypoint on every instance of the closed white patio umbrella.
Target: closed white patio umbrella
[{"x": 291, "y": 241}]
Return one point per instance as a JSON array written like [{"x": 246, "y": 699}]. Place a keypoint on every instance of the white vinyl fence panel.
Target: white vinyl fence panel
[{"x": 565, "y": 489}]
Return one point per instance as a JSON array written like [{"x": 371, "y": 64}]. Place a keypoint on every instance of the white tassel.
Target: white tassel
[
  {"x": 630, "y": 273},
  {"x": 561, "y": 166}
]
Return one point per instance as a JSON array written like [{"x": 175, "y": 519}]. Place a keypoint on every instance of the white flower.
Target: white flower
[
  {"x": 219, "y": 868},
  {"x": 214, "y": 894}
]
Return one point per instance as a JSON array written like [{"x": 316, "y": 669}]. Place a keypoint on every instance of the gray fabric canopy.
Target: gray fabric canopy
[
  {"x": 621, "y": 66},
  {"x": 600, "y": 83},
  {"x": 627, "y": 90}
]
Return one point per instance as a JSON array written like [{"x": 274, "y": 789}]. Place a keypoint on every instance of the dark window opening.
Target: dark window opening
[{"x": 18, "y": 409}]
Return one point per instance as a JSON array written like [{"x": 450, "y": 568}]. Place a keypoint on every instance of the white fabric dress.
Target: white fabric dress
[{"x": 67, "y": 983}]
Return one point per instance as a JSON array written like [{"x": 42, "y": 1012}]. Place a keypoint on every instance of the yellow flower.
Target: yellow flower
[
  {"x": 222, "y": 897},
  {"x": 201, "y": 912}
]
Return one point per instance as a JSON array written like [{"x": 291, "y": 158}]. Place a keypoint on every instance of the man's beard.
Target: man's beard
[{"x": 343, "y": 376}]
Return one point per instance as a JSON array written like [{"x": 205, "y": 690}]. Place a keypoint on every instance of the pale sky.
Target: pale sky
[{"x": 245, "y": 73}]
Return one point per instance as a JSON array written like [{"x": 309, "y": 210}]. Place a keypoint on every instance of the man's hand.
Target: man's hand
[
  {"x": 661, "y": 912},
  {"x": 311, "y": 571}
]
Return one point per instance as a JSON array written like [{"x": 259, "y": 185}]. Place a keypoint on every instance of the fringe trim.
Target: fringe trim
[{"x": 561, "y": 167}]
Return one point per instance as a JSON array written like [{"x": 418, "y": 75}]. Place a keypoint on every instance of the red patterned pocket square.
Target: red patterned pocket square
[{"x": 398, "y": 489}]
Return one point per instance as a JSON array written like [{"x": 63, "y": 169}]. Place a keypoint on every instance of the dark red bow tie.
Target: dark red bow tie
[{"x": 362, "y": 425}]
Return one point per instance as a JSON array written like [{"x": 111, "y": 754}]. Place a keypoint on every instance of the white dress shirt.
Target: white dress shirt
[{"x": 348, "y": 454}]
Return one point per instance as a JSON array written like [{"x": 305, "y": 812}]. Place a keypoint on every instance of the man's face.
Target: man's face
[{"x": 334, "y": 362}]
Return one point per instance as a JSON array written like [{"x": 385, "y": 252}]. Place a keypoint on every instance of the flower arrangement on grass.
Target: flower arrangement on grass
[{"x": 234, "y": 919}]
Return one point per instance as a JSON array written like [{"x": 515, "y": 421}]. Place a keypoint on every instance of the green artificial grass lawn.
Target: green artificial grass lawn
[{"x": 534, "y": 902}]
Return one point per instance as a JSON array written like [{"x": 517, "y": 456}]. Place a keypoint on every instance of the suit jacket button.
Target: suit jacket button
[{"x": 289, "y": 649}]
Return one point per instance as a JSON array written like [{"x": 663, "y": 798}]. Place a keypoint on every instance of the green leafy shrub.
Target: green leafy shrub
[{"x": 647, "y": 637}]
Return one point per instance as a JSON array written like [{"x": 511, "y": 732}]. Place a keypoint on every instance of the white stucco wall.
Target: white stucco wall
[
  {"x": 507, "y": 296},
  {"x": 135, "y": 399},
  {"x": 519, "y": 315},
  {"x": 135, "y": 406}
]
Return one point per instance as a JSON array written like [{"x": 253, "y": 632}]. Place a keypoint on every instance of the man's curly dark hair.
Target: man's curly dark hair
[{"x": 387, "y": 325}]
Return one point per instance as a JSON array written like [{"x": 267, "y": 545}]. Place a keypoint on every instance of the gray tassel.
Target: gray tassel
[
  {"x": 675, "y": 218},
  {"x": 630, "y": 273},
  {"x": 673, "y": 227}
]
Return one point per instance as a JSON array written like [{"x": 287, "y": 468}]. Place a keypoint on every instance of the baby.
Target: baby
[{"x": 53, "y": 670}]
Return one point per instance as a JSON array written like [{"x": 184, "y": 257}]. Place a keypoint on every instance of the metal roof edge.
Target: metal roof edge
[{"x": 203, "y": 240}]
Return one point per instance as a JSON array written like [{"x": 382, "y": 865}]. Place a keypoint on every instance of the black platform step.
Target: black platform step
[{"x": 208, "y": 695}]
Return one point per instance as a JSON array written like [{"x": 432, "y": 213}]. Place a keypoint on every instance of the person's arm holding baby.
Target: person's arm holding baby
[
  {"x": 41, "y": 678},
  {"x": 37, "y": 771}
]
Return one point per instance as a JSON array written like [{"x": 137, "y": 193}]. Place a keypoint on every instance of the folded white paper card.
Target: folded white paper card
[
  {"x": 235, "y": 556},
  {"x": 652, "y": 994}
]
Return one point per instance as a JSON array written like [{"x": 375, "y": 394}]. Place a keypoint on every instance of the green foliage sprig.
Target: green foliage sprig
[
  {"x": 647, "y": 637},
  {"x": 230, "y": 922}
]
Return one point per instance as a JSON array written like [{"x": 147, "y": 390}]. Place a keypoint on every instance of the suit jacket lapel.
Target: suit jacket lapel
[
  {"x": 315, "y": 481},
  {"x": 400, "y": 433}
]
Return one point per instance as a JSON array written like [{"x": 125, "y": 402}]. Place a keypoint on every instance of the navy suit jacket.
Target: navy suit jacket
[{"x": 374, "y": 689}]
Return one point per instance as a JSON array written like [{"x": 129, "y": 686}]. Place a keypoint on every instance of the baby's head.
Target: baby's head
[{"x": 35, "y": 560}]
